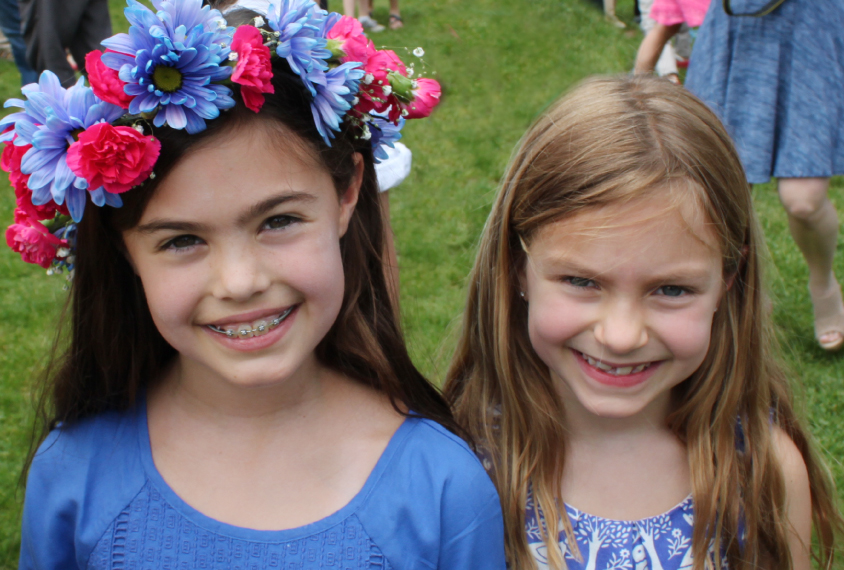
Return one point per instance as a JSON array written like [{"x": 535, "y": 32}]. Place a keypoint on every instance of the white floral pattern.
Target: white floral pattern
[{"x": 663, "y": 542}]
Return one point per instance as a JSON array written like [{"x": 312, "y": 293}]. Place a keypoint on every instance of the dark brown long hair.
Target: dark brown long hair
[
  {"x": 109, "y": 349},
  {"x": 609, "y": 141}
]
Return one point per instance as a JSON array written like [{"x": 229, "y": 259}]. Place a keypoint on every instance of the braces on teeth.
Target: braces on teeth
[{"x": 245, "y": 332}]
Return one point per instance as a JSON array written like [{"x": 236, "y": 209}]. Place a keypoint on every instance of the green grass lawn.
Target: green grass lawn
[{"x": 500, "y": 63}]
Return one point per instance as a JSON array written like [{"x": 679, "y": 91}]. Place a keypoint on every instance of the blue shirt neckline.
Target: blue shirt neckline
[{"x": 218, "y": 527}]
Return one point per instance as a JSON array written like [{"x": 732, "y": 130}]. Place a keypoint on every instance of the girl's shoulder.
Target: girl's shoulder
[
  {"x": 100, "y": 452},
  {"x": 424, "y": 446},
  {"x": 448, "y": 506}
]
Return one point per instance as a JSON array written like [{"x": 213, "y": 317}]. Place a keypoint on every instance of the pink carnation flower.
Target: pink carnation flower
[
  {"x": 372, "y": 94},
  {"x": 33, "y": 241},
  {"x": 354, "y": 43},
  {"x": 426, "y": 96},
  {"x": 105, "y": 81},
  {"x": 10, "y": 161},
  {"x": 253, "y": 71},
  {"x": 116, "y": 158}
]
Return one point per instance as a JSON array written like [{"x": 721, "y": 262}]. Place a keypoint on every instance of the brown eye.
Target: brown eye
[
  {"x": 182, "y": 242},
  {"x": 280, "y": 222}
]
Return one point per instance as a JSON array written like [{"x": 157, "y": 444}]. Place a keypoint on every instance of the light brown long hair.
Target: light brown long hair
[{"x": 610, "y": 140}]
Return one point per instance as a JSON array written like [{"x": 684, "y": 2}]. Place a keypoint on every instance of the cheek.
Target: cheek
[
  {"x": 315, "y": 270},
  {"x": 552, "y": 321},
  {"x": 171, "y": 298},
  {"x": 687, "y": 335}
]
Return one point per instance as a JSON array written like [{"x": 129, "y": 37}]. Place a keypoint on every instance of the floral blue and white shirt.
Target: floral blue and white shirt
[{"x": 663, "y": 542}]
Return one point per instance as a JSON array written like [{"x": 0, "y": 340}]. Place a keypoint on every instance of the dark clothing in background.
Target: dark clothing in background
[
  {"x": 52, "y": 26},
  {"x": 10, "y": 23}
]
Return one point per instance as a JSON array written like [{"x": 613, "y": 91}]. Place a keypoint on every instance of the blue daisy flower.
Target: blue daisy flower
[
  {"x": 301, "y": 39},
  {"x": 335, "y": 94},
  {"x": 170, "y": 61},
  {"x": 384, "y": 133},
  {"x": 51, "y": 118}
]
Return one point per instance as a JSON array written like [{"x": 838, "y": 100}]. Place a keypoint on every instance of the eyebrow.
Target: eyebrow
[
  {"x": 684, "y": 273},
  {"x": 253, "y": 212}
]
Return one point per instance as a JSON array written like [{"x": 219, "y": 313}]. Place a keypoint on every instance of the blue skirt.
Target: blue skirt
[{"x": 777, "y": 82}]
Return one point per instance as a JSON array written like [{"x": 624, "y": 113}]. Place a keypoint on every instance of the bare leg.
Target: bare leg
[
  {"x": 814, "y": 226},
  {"x": 391, "y": 262},
  {"x": 652, "y": 46},
  {"x": 349, "y": 8},
  {"x": 609, "y": 12},
  {"x": 395, "y": 15}
]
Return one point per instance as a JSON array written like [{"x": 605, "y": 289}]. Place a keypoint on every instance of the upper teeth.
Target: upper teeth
[
  {"x": 619, "y": 371},
  {"x": 248, "y": 330}
]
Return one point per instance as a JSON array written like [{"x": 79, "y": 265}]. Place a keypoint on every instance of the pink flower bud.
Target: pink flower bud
[
  {"x": 253, "y": 71},
  {"x": 105, "y": 81}
]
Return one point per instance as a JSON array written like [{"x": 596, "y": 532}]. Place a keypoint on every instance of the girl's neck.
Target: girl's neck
[
  {"x": 199, "y": 392},
  {"x": 586, "y": 427}
]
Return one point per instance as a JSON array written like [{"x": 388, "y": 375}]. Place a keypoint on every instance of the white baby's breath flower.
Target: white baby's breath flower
[
  {"x": 419, "y": 52},
  {"x": 258, "y": 22}
]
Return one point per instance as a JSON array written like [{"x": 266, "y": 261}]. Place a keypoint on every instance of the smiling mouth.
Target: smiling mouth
[
  {"x": 248, "y": 330},
  {"x": 618, "y": 370}
]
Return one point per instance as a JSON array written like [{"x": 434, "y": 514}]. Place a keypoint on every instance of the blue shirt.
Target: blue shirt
[
  {"x": 95, "y": 500},
  {"x": 662, "y": 542}
]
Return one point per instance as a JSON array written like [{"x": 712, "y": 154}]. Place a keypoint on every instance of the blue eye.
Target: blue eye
[
  {"x": 672, "y": 291},
  {"x": 280, "y": 222},
  {"x": 579, "y": 282}
]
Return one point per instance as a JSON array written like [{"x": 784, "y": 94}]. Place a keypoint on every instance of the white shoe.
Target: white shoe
[{"x": 370, "y": 25}]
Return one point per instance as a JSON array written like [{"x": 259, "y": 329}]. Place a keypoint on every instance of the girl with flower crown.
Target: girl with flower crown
[
  {"x": 617, "y": 365},
  {"x": 234, "y": 390}
]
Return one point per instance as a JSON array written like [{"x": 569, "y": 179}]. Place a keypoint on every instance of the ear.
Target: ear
[{"x": 349, "y": 198}]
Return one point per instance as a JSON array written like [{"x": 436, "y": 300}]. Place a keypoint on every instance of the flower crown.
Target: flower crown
[{"x": 173, "y": 69}]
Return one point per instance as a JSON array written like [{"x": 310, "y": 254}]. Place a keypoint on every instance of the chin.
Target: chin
[{"x": 613, "y": 408}]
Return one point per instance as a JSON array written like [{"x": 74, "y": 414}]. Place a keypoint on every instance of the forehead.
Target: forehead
[
  {"x": 654, "y": 226},
  {"x": 243, "y": 166}
]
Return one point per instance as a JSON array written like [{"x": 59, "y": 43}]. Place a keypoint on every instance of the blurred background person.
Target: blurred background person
[
  {"x": 10, "y": 24},
  {"x": 54, "y": 28},
  {"x": 670, "y": 58},
  {"x": 777, "y": 81},
  {"x": 668, "y": 16}
]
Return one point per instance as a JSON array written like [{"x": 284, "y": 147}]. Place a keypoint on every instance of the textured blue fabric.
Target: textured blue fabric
[
  {"x": 94, "y": 500},
  {"x": 777, "y": 82},
  {"x": 663, "y": 542}
]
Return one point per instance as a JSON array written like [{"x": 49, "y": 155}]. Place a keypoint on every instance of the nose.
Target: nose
[
  {"x": 239, "y": 273},
  {"x": 621, "y": 327}
]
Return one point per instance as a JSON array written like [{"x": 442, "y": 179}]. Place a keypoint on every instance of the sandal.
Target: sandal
[
  {"x": 829, "y": 318},
  {"x": 395, "y": 22},
  {"x": 369, "y": 24}
]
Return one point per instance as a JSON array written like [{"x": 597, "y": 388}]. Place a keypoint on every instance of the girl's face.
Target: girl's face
[
  {"x": 244, "y": 235},
  {"x": 621, "y": 302}
]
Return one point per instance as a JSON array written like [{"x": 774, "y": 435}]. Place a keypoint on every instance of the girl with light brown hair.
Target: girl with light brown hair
[{"x": 617, "y": 365}]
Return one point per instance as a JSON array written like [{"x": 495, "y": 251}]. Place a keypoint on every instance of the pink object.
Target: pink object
[
  {"x": 116, "y": 158},
  {"x": 355, "y": 44},
  {"x": 671, "y": 12},
  {"x": 33, "y": 241},
  {"x": 425, "y": 97},
  {"x": 371, "y": 95},
  {"x": 105, "y": 81},
  {"x": 11, "y": 163},
  {"x": 253, "y": 72}
]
